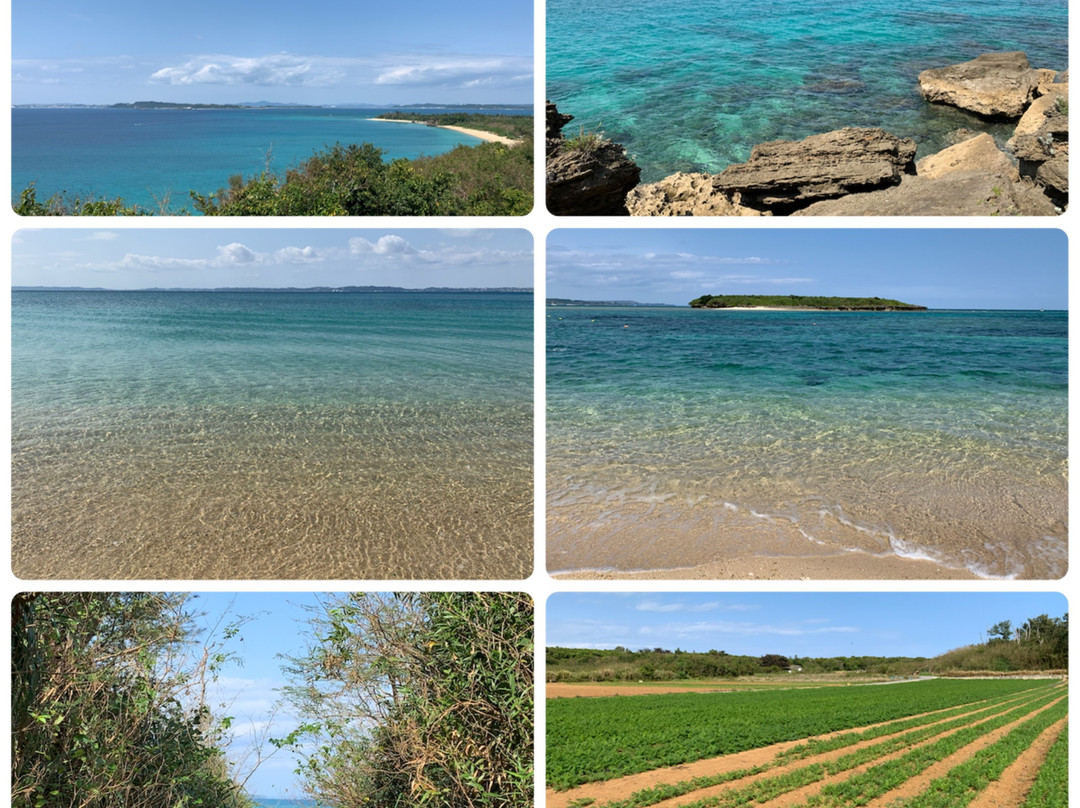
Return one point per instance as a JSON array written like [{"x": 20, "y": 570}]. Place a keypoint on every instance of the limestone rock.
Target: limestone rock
[
  {"x": 977, "y": 153},
  {"x": 587, "y": 176},
  {"x": 970, "y": 192},
  {"x": 785, "y": 175},
  {"x": 555, "y": 121},
  {"x": 590, "y": 181},
  {"x": 994, "y": 85},
  {"x": 1053, "y": 175},
  {"x": 683, "y": 195}
]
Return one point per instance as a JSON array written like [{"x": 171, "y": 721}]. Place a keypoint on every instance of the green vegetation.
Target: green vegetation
[
  {"x": 108, "y": 708},
  {"x": 491, "y": 179},
  {"x": 586, "y": 142},
  {"x": 930, "y": 730},
  {"x": 964, "y": 782},
  {"x": 803, "y": 302},
  {"x": 418, "y": 700},
  {"x": 659, "y": 665},
  {"x": 59, "y": 205},
  {"x": 515, "y": 127},
  {"x": 603, "y": 738},
  {"x": 1051, "y": 787},
  {"x": 1040, "y": 644}
]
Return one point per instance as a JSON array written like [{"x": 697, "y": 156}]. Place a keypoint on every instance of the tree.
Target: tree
[
  {"x": 1000, "y": 631},
  {"x": 108, "y": 707},
  {"x": 775, "y": 661},
  {"x": 418, "y": 699}
]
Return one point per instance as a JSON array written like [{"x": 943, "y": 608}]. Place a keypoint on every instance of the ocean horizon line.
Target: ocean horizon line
[{"x": 290, "y": 289}]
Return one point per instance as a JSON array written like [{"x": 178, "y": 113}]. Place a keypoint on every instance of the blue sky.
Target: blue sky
[
  {"x": 793, "y": 624},
  {"x": 332, "y": 52},
  {"x": 984, "y": 268},
  {"x": 250, "y": 692},
  {"x": 206, "y": 258}
]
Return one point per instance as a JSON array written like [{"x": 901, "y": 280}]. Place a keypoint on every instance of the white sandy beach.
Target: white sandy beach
[{"x": 490, "y": 137}]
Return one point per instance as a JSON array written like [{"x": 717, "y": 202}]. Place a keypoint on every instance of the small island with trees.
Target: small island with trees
[{"x": 801, "y": 302}]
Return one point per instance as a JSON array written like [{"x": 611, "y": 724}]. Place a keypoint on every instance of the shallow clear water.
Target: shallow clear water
[
  {"x": 693, "y": 86},
  {"x": 271, "y": 434},
  {"x": 936, "y": 435},
  {"x": 147, "y": 156}
]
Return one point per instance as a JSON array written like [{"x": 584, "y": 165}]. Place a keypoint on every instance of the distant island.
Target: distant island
[{"x": 809, "y": 302}]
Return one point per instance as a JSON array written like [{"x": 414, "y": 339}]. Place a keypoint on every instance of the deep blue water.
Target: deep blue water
[
  {"x": 693, "y": 85},
  {"x": 886, "y": 421},
  {"x": 268, "y": 434},
  {"x": 146, "y": 156}
]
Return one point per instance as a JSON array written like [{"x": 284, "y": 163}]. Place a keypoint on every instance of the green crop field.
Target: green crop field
[{"x": 881, "y": 737}]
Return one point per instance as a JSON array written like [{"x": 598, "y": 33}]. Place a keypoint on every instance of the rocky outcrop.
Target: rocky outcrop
[
  {"x": 978, "y": 153},
  {"x": 782, "y": 176},
  {"x": 963, "y": 192},
  {"x": 993, "y": 85},
  {"x": 684, "y": 195},
  {"x": 588, "y": 175},
  {"x": 1041, "y": 141},
  {"x": 554, "y": 122}
]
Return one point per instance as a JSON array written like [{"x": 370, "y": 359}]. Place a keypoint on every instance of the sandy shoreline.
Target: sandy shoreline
[
  {"x": 847, "y": 567},
  {"x": 489, "y": 137}
]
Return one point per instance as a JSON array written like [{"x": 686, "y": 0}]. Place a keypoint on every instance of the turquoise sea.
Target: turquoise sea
[
  {"x": 273, "y": 802},
  {"x": 693, "y": 85},
  {"x": 149, "y": 156},
  {"x": 271, "y": 434},
  {"x": 681, "y": 437}
]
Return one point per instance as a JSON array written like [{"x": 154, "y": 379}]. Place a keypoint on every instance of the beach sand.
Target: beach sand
[
  {"x": 490, "y": 137},
  {"x": 849, "y": 567},
  {"x": 649, "y": 542}
]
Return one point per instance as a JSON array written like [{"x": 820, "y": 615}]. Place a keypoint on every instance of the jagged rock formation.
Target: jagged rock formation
[
  {"x": 1041, "y": 141},
  {"x": 586, "y": 176},
  {"x": 684, "y": 195},
  {"x": 785, "y": 175},
  {"x": 994, "y": 85}
]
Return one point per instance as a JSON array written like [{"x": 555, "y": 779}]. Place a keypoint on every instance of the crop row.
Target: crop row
[
  {"x": 879, "y": 779},
  {"x": 1051, "y": 786},
  {"x": 924, "y": 747},
  {"x": 902, "y": 734},
  {"x": 603, "y": 738}
]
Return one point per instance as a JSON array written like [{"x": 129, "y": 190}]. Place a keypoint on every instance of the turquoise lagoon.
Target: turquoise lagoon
[
  {"x": 681, "y": 437},
  {"x": 271, "y": 434},
  {"x": 693, "y": 85},
  {"x": 152, "y": 156}
]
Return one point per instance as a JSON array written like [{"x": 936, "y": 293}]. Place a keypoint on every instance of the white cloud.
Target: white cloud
[
  {"x": 386, "y": 245},
  {"x": 278, "y": 69},
  {"x": 299, "y": 255},
  {"x": 236, "y": 253},
  {"x": 456, "y": 72}
]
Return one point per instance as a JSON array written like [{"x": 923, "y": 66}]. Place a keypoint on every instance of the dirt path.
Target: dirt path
[{"x": 1016, "y": 781}]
